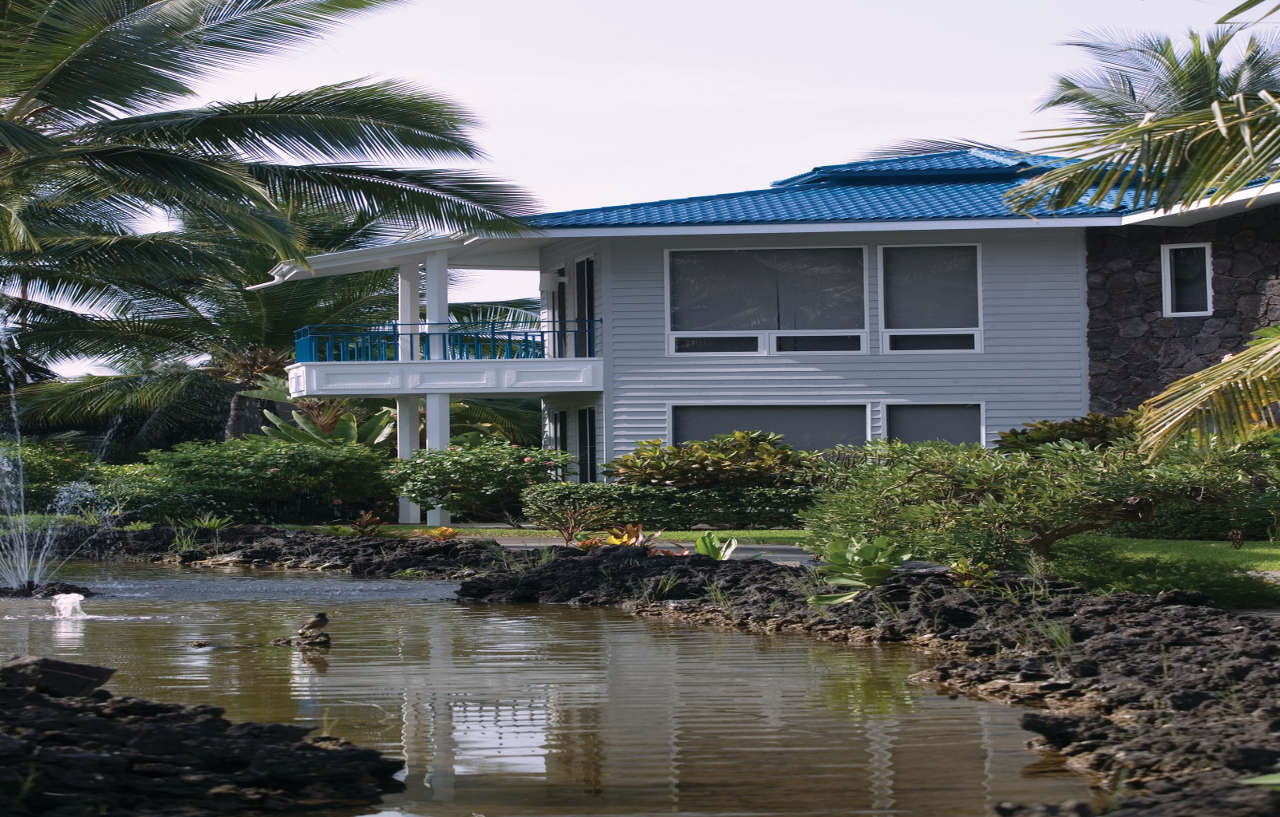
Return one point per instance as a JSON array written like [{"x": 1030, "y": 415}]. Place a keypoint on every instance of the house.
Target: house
[{"x": 885, "y": 298}]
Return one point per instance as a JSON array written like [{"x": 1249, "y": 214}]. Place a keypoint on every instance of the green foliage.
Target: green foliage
[
  {"x": 1095, "y": 430},
  {"x": 739, "y": 459},
  {"x": 952, "y": 501},
  {"x": 708, "y": 544},
  {"x": 346, "y": 431},
  {"x": 249, "y": 480},
  {"x": 671, "y": 508},
  {"x": 478, "y": 482},
  {"x": 858, "y": 564},
  {"x": 46, "y": 467},
  {"x": 969, "y": 573},
  {"x": 1100, "y": 565}
]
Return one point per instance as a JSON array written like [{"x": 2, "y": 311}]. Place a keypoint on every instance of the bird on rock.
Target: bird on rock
[{"x": 317, "y": 623}]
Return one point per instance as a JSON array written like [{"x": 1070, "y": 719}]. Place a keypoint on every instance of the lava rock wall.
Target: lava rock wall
[{"x": 1134, "y": 351}]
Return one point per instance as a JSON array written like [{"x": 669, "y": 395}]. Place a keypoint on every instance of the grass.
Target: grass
[{"x": 1251, "y": 555}]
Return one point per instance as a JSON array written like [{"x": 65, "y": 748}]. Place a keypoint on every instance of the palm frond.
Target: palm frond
[{"x": 1231, "y": 400}]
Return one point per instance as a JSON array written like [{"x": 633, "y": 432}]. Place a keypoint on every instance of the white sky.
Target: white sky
[
  {"x": 590, "y": 102},
  {"x": 587, "y": 103}
]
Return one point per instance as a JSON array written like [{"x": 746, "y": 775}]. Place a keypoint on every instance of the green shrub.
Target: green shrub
[
  {"x": 656, "y": 506},
  {"x": 1101, "y": 566},
  {"x": 251, "y": 480},
  {"x": 46, "y": 468},
  {"x": 1095, "y": 430},
  {"x": 477, "y": 482},
  {"x": 740, "y": 459},
  {"x": 952, "y": 501}
]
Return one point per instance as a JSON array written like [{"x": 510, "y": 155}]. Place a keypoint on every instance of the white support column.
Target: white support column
[
  {"x": 437, "y": 298},
  {"x": 437, "y": 438},
  {"x": 408, "y": 300},
  {"x": 406, "y": 444}
]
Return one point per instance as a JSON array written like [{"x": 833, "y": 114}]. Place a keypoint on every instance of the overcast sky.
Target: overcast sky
[{"x": 587, "y": 103}]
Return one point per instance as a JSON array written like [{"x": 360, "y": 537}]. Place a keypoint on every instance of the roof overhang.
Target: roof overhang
[{"x": 521, "y": 252}]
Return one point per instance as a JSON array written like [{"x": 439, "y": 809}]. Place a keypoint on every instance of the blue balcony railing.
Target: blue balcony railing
[{"x": 451, "y": 341}]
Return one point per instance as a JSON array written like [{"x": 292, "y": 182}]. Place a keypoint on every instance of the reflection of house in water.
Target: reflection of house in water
[{"x": 560, "y": 713}]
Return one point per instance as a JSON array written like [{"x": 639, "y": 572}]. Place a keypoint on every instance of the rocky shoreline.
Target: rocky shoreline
[
  {"x": 71, "y": 749},
  {"x": 1166, "y": 702}
]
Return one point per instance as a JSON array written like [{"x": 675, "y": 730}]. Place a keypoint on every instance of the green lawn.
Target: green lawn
[{"x": 1251, "y": 556}]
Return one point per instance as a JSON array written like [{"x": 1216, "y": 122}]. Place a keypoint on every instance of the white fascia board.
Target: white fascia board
[
  {"x": 1207, "y": 210},
  {"x": 349, "y": 262}
]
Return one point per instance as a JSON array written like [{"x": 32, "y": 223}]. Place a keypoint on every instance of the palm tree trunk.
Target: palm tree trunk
[{"x": 244, "y": 417}]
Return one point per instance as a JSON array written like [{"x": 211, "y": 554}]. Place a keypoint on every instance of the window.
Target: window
[
  {"x": 587, "y": 445},
  {"x": 767, "y": 301},
  {"x": 1187, "y": 272},
  {"x": 804, "y": 427},
  {"x": 931, "y": 299},
  {"x": 912, "y": 423}
]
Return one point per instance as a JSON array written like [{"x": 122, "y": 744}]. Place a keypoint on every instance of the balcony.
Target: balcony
[{"x": 465, "y": 358}]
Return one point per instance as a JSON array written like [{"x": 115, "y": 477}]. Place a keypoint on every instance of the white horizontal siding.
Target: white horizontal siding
[{"x": 1033, "y": 366}]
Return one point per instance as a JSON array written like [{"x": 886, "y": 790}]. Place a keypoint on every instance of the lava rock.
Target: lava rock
[{"x": 53, "y": 677}]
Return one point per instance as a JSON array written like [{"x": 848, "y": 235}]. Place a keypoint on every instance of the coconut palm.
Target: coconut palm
[
  {"x": 94, "y": 132},
  {"x": 1166, "y": 126}
]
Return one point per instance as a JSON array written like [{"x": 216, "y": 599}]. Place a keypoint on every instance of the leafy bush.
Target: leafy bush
[
  {"x": 660, "y": 506},
  {"x": 477, "y": 482},
  {"x": 251, "y": 480},
  {"x": 740, "y": 459},
  {"x": 948, "y": 501},
  {"x": 1095, "y": 430},
  {"x": 46, "y": 467},
  {"x": 1101, "y": 566}
]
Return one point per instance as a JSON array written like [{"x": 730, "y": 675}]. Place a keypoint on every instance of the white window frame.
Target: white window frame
[
  {"x": 981, "y": 404},
  {"x": 765, "y": 339},
  {"x": 669, "y": 439},
  {"x": 1166, "y": 278},
  {"x": 886, "y": 333}
]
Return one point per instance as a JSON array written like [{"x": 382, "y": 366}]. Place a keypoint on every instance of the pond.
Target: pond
[{"x": 549, "y": 710}]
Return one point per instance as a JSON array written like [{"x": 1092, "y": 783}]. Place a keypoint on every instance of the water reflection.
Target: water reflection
[{"x": 558, "y": 711}]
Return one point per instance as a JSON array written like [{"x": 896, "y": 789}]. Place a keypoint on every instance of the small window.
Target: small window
[
  {"x": 810, "y": 428},
  {"x": 960, "y": 423},
  {"x": 1187, "y": 270},
  {"x": 931, "y": 299}
]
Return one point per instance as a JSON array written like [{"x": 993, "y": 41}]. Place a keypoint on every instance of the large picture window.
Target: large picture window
[
  {"x": 767, "y": 301},
  {"x": 803, "y": 427},
  {"x": 1187, "y": 272},
  {"x": 931, "y": 299}
]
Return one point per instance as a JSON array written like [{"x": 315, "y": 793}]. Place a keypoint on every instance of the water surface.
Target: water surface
[{"x": 552, "y": 711}]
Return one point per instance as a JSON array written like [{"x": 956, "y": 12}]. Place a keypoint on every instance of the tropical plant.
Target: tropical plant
[
  {"x": 1095, "y": 429},
  {"x": 671, "y": 508},
  {"x": 86, "y": 140},
  {"x": 479, "y": 482},
  {"x": 738, "y": 459},
  {"x": 1166, "y": 126},
  {"x": 250, "y": 481},
  {"x": 367, "y": 523},
  {"x": 708, "y": 544},
  {"x": 631, "y": 535},
  {"x": 346, "y": 431},
  {"x": 858, "y": 564}
]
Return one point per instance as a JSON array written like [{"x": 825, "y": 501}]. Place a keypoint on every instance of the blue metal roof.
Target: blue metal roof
[{"x": 958, "y": 184}]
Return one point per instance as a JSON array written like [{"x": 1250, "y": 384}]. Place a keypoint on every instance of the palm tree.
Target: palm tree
[
  {"x": 1163, "y": 126},
  {"x": 90, "y": 142}
]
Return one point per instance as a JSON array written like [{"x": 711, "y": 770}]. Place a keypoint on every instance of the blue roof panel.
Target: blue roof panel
[{"x": 968, "y": 184}]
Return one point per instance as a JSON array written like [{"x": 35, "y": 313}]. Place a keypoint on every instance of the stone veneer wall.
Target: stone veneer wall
[{"x": 1134, "y": 352}]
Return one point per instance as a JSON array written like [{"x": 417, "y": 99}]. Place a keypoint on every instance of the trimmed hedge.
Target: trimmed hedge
[
  {"x": 251, "y": 480},
  {"x": 670, "y": 508},
  {"x": 479, "y": 482}
]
